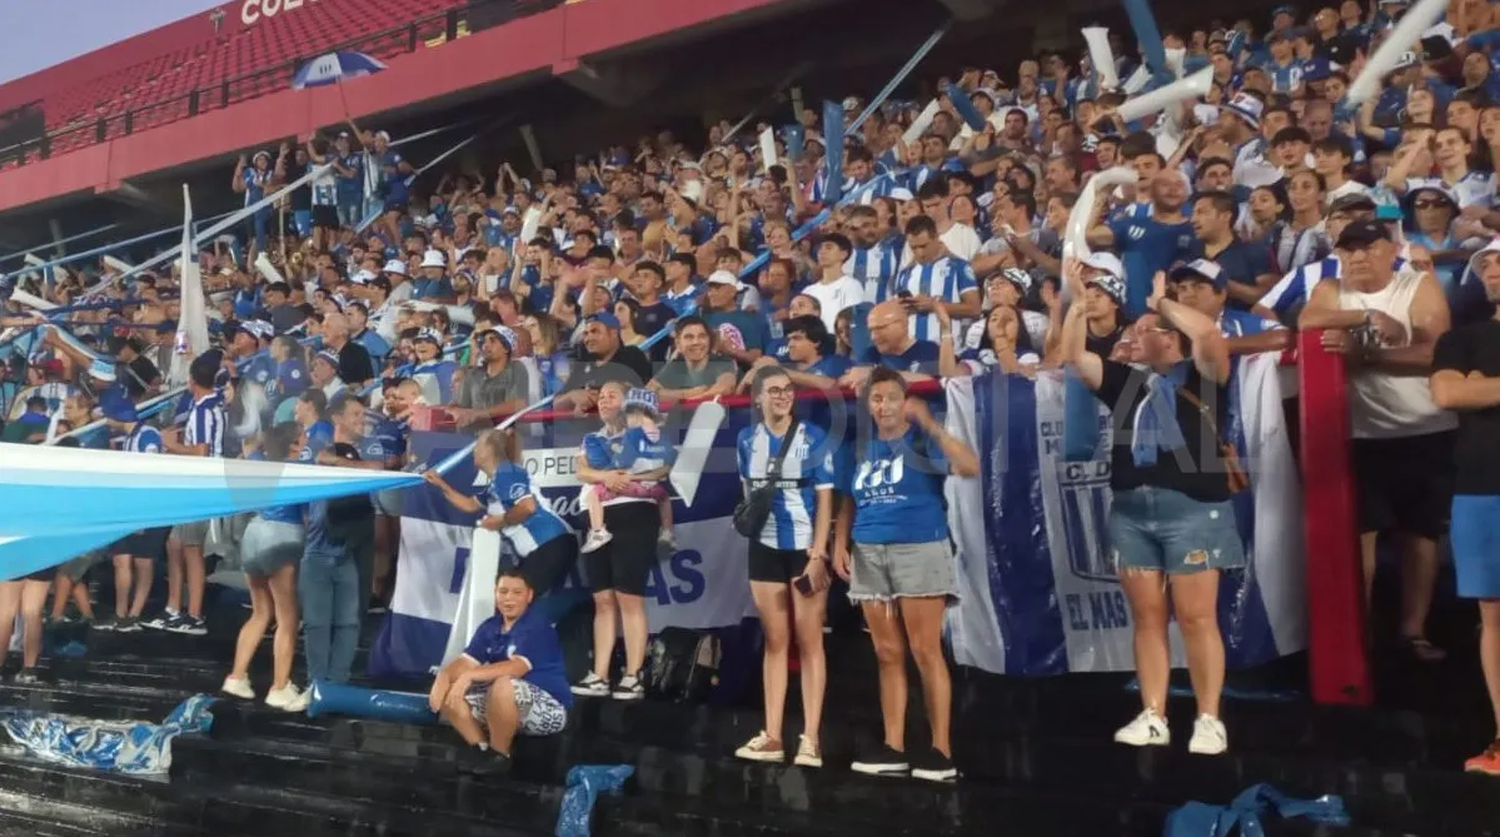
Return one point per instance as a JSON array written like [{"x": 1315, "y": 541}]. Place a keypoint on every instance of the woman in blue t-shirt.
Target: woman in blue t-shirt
[
  {"x": 619, "y": 570},
  {"x": 544, "y": 545},
  {"x": 788, "y": 569},
  {"x": 901, "y": 569},
  {"x": 270, "y": 552}
]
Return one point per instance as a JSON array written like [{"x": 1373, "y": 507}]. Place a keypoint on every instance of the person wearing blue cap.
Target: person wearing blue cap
[
  {"x": 134, "y": 556},
  {"x": 290, "y": 378},
  {"x": 608, "y": 360},
  {"x": 646, "y": 457},
  {"x": 1202, "y": 285}
]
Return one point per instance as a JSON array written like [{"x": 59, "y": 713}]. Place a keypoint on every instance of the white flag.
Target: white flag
[{"x": 192, "y": 319}]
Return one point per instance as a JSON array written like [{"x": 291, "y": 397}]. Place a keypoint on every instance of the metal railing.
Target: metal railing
[{"x": 432, "y": 29}]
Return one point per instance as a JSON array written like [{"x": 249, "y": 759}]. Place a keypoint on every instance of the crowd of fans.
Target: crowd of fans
[{"x": 1267, "y": 205}]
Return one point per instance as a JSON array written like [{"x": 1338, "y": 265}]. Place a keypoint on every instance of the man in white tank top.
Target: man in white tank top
[{"x": 1386, "y": 322}]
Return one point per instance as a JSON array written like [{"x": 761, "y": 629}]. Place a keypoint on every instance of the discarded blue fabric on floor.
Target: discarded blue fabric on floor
[
  {"x": 356, "y": 702},
  {"x": 1199, "y": 819},
  {"x": 1266, "y": 695},
  {"x": 138, "y": 748},
  {"x": 585, "y": 783}
]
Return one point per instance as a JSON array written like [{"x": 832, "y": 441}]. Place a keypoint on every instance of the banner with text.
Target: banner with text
[{"x": 1037, "y": 583}]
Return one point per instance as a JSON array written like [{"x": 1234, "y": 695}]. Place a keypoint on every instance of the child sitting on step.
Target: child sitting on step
[{"x": 647, "y": 459}]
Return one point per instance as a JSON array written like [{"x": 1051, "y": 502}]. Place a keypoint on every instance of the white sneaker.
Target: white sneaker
[
  {"x": 287, "y": 698},
  {"x": 1148, "y": 729},
  {"x": 630, "y": 687},
  {"x": 761, "y": 748},
  {"x": 1209, "y": 736},
  {"x": 596, "y": 539},
  {"x": 238, "y": 687},
  {"x": 591, "y": 686}
]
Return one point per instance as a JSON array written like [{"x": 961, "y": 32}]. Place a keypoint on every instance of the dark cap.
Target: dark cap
[
  {"x": 1352, "y": 203},
  {"x": 1362, "y": 233}
]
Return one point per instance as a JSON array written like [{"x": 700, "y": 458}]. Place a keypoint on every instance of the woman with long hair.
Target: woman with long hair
[
  {"x": 618, "y": 570},
  {"x": 543, "y": 544},
  {"x": 270, "y": 550},
  {"x": 892, "y": 547},
  {"x": 788, "y": 559}
]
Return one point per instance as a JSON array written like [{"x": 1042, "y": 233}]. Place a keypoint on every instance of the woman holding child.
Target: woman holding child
[{"x": 611, "y": 461}]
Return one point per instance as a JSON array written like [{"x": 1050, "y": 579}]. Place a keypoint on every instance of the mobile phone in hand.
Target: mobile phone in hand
[{"x": 803, "y": 585}]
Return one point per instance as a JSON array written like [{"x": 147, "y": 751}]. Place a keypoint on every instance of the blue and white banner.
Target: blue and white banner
[
  {"x": 1038, "y": 593},
  {"x": 703, "y": 584}
]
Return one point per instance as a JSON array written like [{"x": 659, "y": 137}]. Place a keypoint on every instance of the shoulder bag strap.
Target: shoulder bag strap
[{"x": 773, "y": 468}]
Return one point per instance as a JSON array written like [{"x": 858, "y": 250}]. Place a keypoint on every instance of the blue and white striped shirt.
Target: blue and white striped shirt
[
  {"x": 875, "y": 267},
  {"x": 947, "y": 279},
  {"x": 807, "y": 469},
  {"x": 205, "y": 424},
  {"x": 511, "y": 486}
]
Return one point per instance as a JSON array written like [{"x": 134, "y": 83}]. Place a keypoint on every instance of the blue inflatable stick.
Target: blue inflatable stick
[
  {"x": 395, "y": 707},
  {"x": 1149, "y": 39},
  {"x": 795, "y": 139},
  {"x": 833, "y": 144},
  {"x": 965, "y": 106}
]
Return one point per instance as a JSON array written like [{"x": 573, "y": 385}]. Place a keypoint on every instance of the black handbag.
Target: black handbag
[{"x": 750, "y": 514}]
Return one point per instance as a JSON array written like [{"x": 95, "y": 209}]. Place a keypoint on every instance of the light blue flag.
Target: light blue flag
[{"x": 57, "y": 503}]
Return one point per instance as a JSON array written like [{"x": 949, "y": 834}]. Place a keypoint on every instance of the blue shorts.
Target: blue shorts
[
  {"x": 1161, "y": 529},
  {"x": 1474, "y": 531}
]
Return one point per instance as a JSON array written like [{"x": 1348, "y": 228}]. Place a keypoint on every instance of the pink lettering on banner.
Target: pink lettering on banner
[{"x": 254, "y": 11}]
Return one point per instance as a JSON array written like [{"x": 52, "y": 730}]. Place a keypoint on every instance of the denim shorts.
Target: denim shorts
[
  {"x": 269, "y": 545},
  {"x": 1161, "y": 529},
  {"x": 884, "y": 572}
]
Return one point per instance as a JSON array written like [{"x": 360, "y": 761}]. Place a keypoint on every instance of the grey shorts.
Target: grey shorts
[
  {"x": 268, "y": 545},
  {"x": 540, "y": 712},
  {"x": 884, "y": 572},
  {"x": 1160, "y": 529},
  {"x": 389, "y": 501},
  {"x": 191, "y": 534},
  {"x": 75, "y": 568}
]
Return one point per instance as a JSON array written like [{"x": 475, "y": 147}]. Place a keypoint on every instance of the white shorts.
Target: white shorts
[{"x": 540, "y": 712}]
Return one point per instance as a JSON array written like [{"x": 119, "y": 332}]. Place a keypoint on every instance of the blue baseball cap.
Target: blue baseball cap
[
  {"x": 291, "y": 378},
  {"x": 606, "y": 319}
]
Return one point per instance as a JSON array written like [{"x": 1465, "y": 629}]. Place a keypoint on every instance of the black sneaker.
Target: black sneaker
[
  {"x": 128, "y": 625},
  {"x": 880, "y": 760},
  {"x": 934, "y": 767},
  {"x": 108, "y": 623},
  {"x": 188, "y": 625},
  {"x": 479, "y": 762}
]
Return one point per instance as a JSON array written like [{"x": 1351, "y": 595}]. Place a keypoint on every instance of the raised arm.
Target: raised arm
[{"x": 1210, "y": 353}]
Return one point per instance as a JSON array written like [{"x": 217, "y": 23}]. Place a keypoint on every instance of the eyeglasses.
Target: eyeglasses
[{"x": 778, "y": 392}]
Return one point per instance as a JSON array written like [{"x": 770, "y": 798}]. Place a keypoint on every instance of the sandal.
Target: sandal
[{"x": 1420, "y": 649}]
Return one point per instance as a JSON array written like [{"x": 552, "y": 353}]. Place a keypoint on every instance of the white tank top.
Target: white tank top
[{"x": 1383, "y": 405}]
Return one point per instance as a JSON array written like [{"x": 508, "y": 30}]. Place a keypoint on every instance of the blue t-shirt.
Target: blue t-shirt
[
  {"x": 739, "y": 328},
  {"x": 921, "y": 356},
  {"x": 530, "y": 638},
  {"x": 1234, "y": 322},
  {"x": 388, "y": 437},
  {"x": 319, "y": 436},
  {"x": 1146, "y": 246},
  {"x": 898, "y": 491},
  {"x": 423, "y": 288},
  {"x": 509, "y": 486},
  {"x": 807, "y": 468},
  {"x": 645, "y": 451}
]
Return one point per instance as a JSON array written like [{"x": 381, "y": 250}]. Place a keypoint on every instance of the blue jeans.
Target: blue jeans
[{"x": 329, "y": 589}]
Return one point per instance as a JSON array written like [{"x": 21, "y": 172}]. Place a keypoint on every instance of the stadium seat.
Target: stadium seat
[{"x": 274, "y": 41}]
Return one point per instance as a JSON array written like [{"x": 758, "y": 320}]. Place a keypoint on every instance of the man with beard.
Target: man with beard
[
  {"x": 1466, "y": 379},
  {"x": 1148, "y": 242},
  {"x": 608, "y": 360}
]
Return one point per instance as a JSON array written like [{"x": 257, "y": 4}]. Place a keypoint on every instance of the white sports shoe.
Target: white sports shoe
[
  {"x": 238, "y": 687},
  {"x": 1209, "y": 736},
  {"x": 1147, "y": 730},
  {"x": 596, "y": 539},
  {"x": 287, "y": 699}
]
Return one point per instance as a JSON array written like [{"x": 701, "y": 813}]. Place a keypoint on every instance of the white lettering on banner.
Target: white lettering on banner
[{"x": 254, "y": 10}]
